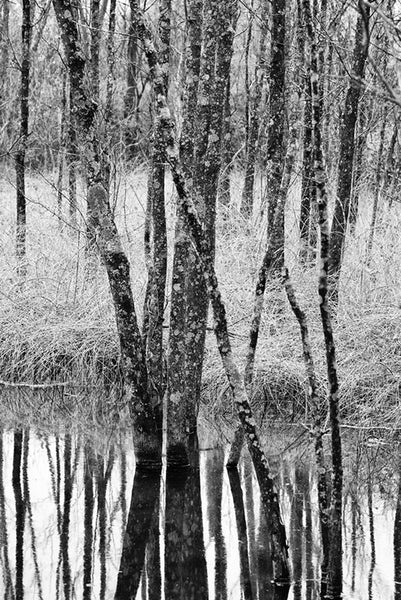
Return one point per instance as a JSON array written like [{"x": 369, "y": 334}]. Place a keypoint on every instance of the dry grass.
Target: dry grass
[{"x": 61, "y": 327}]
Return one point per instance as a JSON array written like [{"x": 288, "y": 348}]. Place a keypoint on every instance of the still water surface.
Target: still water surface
[{"x": 79, "y": 522}]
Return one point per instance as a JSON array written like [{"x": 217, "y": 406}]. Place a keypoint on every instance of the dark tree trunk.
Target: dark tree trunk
[
  {"x": 397, "y": 544},
  {"x": 19, "y": 515},
  {"x": 239, "y": 509},
  {"x": 275, "y": 140},
  {"x": 347, "y": 149},
  {"x": 23, "y": 141},
  {"x": 145, "y": 418},
  {"x": 252, "y": 138},
  {"x": 72, "y": 161},
  {"x": 155, "y": 294},
  {"x": 224, "y": 193},
  {"x": 334, "y": 589},
  {"x": 95, "y": 50},
  {"x": 131, "y": 95},
  {"x": 65, "y": 526},
  {"x": 5, "y": 54},
  {"x": 144, "y": 498},
  {"x": 89, "y": 501},
  {"x": 110, "y": 60}
]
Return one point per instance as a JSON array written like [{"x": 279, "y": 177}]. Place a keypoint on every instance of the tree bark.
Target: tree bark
[
  {"x": 23, "y": 141},
  {"x": 200, "y": 151},
  {"x": 255, "y": 101},
  {"x": 275, "y": 140},
  {"x": 145, "y": 420},
  {"x": 334, "y": 589},
  {"x": 347, "y": 149}
]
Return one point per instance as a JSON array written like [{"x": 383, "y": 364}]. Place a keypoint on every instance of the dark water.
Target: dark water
[{"x": 77, "y": 521}]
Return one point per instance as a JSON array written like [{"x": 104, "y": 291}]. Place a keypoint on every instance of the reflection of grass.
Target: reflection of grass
[{"x": 61, "y": 325}]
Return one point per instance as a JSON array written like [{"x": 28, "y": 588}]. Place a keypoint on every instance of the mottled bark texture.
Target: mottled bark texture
[
  {"x": 334, "y": 588},
  {"x": 347, "y": 149},
  {"x": 276, "y": 133},
  {"x": 200, "y": 147},
  {"x": 23, "y": 137},
  {"x": 254, "y": 117},
  {"x": 145, "y": 416},
  {"x": 205, "y": 252},
  {"x": 157, "y": 261},
  {"x": 181, "y": 415}
]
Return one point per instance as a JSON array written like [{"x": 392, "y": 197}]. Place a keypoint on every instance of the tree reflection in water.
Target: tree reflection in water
[{"x": 197, "y": 533}]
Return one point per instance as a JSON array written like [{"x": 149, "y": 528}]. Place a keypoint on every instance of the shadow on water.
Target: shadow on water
[{"x": 77, "y": 520}]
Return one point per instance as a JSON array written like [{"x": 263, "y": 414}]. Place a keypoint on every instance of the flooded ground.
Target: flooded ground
[{"x": 77, "y": 522}]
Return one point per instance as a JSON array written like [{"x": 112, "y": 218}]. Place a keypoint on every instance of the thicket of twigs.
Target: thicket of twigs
[{"x": 60, "y": 327}]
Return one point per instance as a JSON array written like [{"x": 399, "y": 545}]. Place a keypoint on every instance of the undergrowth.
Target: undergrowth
[{"x": 59, "y": 326}]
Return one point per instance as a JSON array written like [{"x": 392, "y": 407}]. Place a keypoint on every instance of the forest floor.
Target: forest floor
[{"x": 58, "y": 330}]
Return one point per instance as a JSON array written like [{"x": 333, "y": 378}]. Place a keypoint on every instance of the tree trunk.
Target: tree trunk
[
  {"x": 179, "y": 419},
  {"x": 347, "y": 149},
  {"x": 155, "y": 296},
  {"x": 334, "y": 589},
  {"x": 255, "y": 101},
  {"x": 275, "y": 140},
  {"x": 23, "y": 141},
  {"x": 200, "y": 149},
  {"x": 5, "y": 56},
  {"x": 131, "y": 94},
  {"x": 145, "y": 420}
]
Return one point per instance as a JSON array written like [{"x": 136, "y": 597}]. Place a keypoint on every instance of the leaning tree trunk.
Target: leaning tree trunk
[
  {"x": 347, "y": 149},
  {"x": 145, "y": 422},
  {"x": 23, "y": 141},
  {"x": 203, "y": 248}
]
